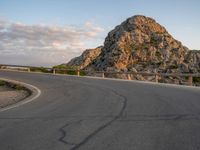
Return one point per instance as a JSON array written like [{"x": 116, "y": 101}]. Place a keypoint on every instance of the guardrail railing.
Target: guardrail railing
[{"x": 191, "y": 79}]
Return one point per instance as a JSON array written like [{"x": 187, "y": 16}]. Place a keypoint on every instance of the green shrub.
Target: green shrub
[
  {"x": 2, "y": 83},
  {"x": 158, "y": 54},
  {"x": 70, "y": 70},
  {"x": 196, "y": 79},
  {"x": 19, "y": 87},
  {"x": 11, "y": 85},
  {"x": 145, "y": 46},
  {"x": 40, "y": 69},
  {"x": 173, "y": 67},
  {"x": 66, "y": 67}
]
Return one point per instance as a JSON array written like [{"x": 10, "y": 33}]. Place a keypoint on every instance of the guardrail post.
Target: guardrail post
[
  {"x": 78, "y": 72},
  {"x": 129, "y": 77},
  {"x": 190, "y": 80},
  {"x": 29, "y": 70},
  {"x": 103, "y": 75},
  {"x": 156, "y": 78},
  {"x": 54, "y": 71}
]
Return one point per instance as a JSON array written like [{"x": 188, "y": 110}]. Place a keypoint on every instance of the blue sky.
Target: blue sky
[{"x": 95, "y": 18}]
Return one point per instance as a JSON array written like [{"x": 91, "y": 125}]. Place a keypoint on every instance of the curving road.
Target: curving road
[{"x": 74, "y": 113}]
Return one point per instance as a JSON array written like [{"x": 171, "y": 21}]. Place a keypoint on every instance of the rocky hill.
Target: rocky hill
[
  {"x": 140, "y": 44},
  {"x": 86, "y": 58}
]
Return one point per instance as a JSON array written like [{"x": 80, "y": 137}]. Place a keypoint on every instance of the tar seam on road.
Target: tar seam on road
[
  {"x": 105, "y": 125},
  {"x": 62, "y": 138}
]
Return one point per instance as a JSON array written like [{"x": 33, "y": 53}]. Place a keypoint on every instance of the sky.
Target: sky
[{"x": 51, "y": 32}]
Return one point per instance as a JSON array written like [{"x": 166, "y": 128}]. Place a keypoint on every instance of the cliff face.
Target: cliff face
[{"x": 140, "y": 44}]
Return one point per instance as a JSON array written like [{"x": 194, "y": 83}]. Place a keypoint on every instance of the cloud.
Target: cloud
[
  {"x": 94, "y": 29},
  {"x": 44, "y": 44}
]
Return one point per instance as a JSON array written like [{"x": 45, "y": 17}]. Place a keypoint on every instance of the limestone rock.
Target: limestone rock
[
  {"x": 192, "y": 59},
  {"x": 86, "y": 58},
  {"x": 140, "y": 44},
  {"x": 139, "y": 39}
]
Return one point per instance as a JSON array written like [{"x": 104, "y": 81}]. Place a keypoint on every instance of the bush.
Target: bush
[
  {"x": 11, "y": 85},
  {"x": 158, "y": 54},
  {"x": 173, "y": 67},
  {"x": 2, "y": 83},
  {"x": 41, "y": 69},
  {"x": 19, "y": 87},
  {"x": 153, "y": 42},
  {"x": 196, "y": 79},
  {"x": 65, "y": 67},
  {"x": 70, "y": 70}
]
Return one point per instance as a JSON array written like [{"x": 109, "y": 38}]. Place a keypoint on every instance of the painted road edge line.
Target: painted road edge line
[{"x": 36, "y": 92}]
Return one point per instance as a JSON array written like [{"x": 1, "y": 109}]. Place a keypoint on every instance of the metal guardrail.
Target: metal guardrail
[
  {"x": 156, "y": 75},
  {"x": 102, "y": 73}
]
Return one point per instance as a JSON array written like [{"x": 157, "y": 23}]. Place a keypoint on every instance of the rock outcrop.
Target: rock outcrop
[
  {"x": 140, "y": 44},
  {"x": 192, "y": 62},
  {"x": 86, "y": 58}
]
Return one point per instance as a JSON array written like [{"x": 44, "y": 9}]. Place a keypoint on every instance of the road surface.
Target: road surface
[{"x": 74, "y": 113}]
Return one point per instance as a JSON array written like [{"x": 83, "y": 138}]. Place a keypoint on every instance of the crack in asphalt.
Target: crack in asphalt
[
  {"x": 114, "y": 118},
  {"x": 119, "y": 117},
  {"x": 63, "y": 132},
  {"x": 85, "y": 140}
]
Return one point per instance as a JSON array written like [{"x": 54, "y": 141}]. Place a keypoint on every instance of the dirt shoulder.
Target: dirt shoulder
[{"x": 11, "y": 93}]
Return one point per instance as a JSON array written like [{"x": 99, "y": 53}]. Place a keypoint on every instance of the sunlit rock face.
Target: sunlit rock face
[
  {"x": 140, "y": 44},
  {"x": 86, "y": 58},
  {"x": 192, "y": 61}
]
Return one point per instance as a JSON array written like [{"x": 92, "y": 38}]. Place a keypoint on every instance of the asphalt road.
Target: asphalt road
[{"x": 75, "y": 113}]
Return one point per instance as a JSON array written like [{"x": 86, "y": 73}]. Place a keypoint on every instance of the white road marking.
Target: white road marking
[{"x": 36, "y": 93}]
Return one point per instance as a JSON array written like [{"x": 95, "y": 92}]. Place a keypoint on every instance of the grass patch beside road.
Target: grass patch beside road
[
  {"x": 40, "y": 69},
  {"x": 70, "y": 70},
  {"x": 11, "y": 85},
  {"x": 2, "y": 83}
]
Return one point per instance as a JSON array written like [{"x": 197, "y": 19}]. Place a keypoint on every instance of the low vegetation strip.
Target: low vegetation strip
[{"x": 11, "y": 93}]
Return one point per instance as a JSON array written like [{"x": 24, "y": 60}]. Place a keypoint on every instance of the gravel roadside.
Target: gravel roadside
[{"x": 11, "y": 95}]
